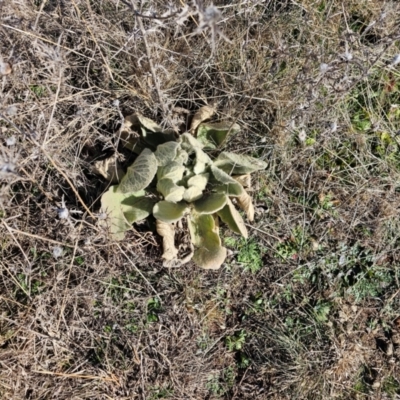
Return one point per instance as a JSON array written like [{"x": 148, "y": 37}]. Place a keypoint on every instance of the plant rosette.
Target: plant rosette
[{"x": 173, "y": 179}]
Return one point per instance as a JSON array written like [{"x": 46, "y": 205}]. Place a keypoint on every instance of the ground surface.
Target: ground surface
[{"x": 308, "y": 307}]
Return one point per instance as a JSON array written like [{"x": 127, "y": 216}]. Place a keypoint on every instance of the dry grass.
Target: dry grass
[{"x": 308, "y": 309}]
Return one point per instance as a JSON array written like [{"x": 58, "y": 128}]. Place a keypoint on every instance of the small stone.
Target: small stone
[
  {"x": 302, "y": 135},
  {"x": 12, "y": 110},
  {"x": 395, "y": 59},
  {"x": 323, "y": 68},
  {"x": 5, "y": 68},
  {"x": 376, "y": 385},
  {"x": 57, "y": 252},
  {"x": 11, "y": 141},
  {"x": 63, "y": 213},
  {"x": 389, "y": 349}
]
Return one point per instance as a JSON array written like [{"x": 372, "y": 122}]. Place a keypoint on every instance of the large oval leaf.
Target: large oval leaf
[
  {"x": 173, "y": 171},
  {"x": 140, "y": 173},
  {"x": 171, "y": 191},
  {"x": 238, "y": 164},
  {"x": 182, "y": 157},
  {"x": 214, "y": 135},
  {"x": 233, "y": 219},
  {"x": 199, "y": 181},
  {"x": 193, "y": 193},
  {"x": 136, "y": 208},
  {"x": 189, "y": 143},
  {"x": 225, "y": 183},
  {"x": 210, "y": 204},
  {"x": 166, "y": 152},
  {"x": 208, "y": 254},
  {"x": 124, "y": 209},
  {"x": 169, "y": 212},
  {"x": 202, "y": 161}
]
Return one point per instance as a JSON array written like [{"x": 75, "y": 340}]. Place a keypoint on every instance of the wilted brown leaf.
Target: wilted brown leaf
[
  {"x": 245, "y": 202},
  {"x": 244, "y": 180},
  {"x": 109, "y": 169},
  {"x": 167, "y": 232},
  {"x": 201, "y": 115}
]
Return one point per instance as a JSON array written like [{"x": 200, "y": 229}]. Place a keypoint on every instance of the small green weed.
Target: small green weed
[
  {"x": 249, "y": 253},
  {"x": 391, "y": 386},
  {"x": 236, "y": 341},
  {"x": 161, "y": 393},
  {"x": 291, "y": 247},
  {"x": 153, "y": 308},
  {"x": 219, "y": 385},
  {"x": 321, "y": 311},
  {"x": 38, "y": 90}
]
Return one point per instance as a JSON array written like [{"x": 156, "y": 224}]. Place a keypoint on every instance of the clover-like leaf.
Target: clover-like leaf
[
  {"x": 214, "y": 135},
  {"x": 208, "y": 254},
  {"x": 238, "y": 164},
  {"x": 233, "y": 219},
  {"x": 210, "y": 204},
  {"x": 140, "y": 173},
  {"x": 169, "y": 212},
  {"x": 170, "y": 190},
  {"x": 173, "y": 171},
  {"x": 245, "y": 202},
  {"x": 225, "y": 183},
  {"x": 167, "y": 232},
  {"x": 166, "y": 152},
  {"x": 124, "y": 209}
]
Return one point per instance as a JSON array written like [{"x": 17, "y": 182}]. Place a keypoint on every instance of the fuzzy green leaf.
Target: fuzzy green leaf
[
  {"x": 169, "y": 212},
  {"x": 233, "y": 219},
  {"x": 209, "y": 253},
  {"x": 124, "y": 209},
  {"x": 210, "y": 204},
  {"x": 173, "y": 171},
  {"x": 140, "y": 173},
  {"x": 154, "y": 139},
  {"x": 137, "y": 208},
  {"x": 182, "y": 156},
  {"x": 170, "y": 190},
  {"x": 189, "y": 143},
  {"x": 214, "y": 135},
  {"x": 200, "y": 181},
  {"x": 225, "y": 183},
  {"x": 166, "y": 152},
  {"x": 193, "y": 193},
  {"x": 202, "y": 161},
  {"x": 238, "y": 164}
]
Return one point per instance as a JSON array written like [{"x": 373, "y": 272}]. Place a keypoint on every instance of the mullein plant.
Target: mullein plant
[{"x": 174, "y": 178}]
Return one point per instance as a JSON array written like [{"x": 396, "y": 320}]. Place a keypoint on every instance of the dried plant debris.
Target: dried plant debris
[
  {"x": 109, "y": 169},
  {"x": 204, "y": 113}
]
